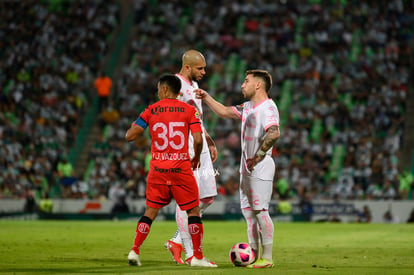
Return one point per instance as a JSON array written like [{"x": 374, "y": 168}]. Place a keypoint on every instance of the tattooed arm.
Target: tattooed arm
[{"x": 272, "y": 135}]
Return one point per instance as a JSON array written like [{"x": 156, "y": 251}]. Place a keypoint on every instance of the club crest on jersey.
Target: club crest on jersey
[
  {"x": 240, "y": 107},
  {"x": 197, "y": 114}
]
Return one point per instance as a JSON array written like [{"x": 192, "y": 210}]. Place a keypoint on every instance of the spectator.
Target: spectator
[
  {"x": 365, "y": 215},
  {"x": 306, "y": 207},
  {"x": 388, "y": 217},
  {"x": 120, "y": 206},
  {"x": 406, "y": 180},
  {"x": 46, "y": 204},
  {"x": 103, "y": 85},
  {"x": 109, "y": 115},
  {"x": 30, "y": 205},
  {"x": 66, "y": 176}
]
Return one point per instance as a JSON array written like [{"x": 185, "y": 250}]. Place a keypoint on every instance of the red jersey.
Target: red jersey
[{"x": 169, "y": 122}]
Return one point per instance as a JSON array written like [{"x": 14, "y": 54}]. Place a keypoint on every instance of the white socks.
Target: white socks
[
  {"x": 182, "y": 236},
  {"x": 266, "y": 231},
  {"x": 260, "y": 229},
  {"x": 252, "y": 228}
]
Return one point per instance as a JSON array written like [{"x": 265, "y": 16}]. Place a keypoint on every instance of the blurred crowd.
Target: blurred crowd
[
  {"x": 51, "y": 52},
  {"x": 340, "y": 71}
]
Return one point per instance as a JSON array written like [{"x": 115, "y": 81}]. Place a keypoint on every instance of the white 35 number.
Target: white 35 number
[{"x": 171, "y": 134}]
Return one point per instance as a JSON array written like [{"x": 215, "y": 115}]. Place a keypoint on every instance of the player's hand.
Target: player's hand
[
  {"x": 251, "y": 163},
  {"x": 213, "y": 152},
  {"x": 195, "y": 163},
  {"x": 200, "y": 93}
]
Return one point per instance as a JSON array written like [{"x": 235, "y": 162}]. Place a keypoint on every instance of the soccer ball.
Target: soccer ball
[{"x": 241, "y": 254}]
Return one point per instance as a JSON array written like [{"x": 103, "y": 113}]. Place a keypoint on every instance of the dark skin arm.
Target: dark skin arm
[
  {"x": 133, "y": 132},
  {"x": 272, "y": 135},
  {"x": 198, "y": 147},
  {"x": 211, "y": 146}
]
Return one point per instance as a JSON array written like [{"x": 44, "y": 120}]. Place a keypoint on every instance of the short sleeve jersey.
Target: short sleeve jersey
[
  {"x": 256, "y": 120},
  {"x": 169, "y": 122},
  {"x": 187, "y": 95}
]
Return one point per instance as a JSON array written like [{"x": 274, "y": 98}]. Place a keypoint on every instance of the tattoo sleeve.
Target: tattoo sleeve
[{"x": 272, "y": 135}]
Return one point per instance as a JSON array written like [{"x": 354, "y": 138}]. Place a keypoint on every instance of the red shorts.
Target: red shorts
[{"x": 182, "y": 187}]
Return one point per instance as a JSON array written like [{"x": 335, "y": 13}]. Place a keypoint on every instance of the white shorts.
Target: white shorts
[
  {"x": 255, "y": 193},
  {"x": 206, "y": 177}
]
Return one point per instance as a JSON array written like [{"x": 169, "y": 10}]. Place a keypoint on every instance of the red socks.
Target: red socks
[
  {"x": 195, "y": 227},
  {"x": 143, "y": 229}
]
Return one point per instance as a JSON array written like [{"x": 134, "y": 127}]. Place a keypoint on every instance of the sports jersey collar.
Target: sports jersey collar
[
  {"x": 169, "y": 99},
  {"x": 185, "y": 79},
  {"x": 260, "y": 103}
]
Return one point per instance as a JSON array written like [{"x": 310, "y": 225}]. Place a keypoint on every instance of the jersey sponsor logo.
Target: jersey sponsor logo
[
  {"x": 170, "y": 156},
  {"x": 163, "y": 109},
  {"x": 248, "y": 138},
  {"x": 143, "y": 228},
  {"x": 167, "y": 170}
]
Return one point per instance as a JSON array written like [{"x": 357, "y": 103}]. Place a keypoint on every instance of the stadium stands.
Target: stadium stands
[
  {"x": 51, "y": 51},
  {"x": 340, "y": 76}
]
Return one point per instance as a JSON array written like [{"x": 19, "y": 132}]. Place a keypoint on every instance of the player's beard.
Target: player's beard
[
  {"x": 246, "y": 95},
  {"x": 194, "y": 77}
]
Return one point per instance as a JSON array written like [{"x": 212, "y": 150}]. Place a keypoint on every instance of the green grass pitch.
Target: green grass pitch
[{"x": 101, "y": 247}]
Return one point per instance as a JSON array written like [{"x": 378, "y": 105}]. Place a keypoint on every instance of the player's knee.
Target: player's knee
[
  {"x": 193, "y": 211},
  {"x": 207, "y": 201}
]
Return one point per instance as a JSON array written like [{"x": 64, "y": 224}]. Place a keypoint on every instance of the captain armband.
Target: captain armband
[{"x": 140, "y": 122}]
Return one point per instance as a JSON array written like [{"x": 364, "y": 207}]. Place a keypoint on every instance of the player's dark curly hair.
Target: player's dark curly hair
[
  {"x": 172, "y": 81},
  {"x": 264, "y": 75}
]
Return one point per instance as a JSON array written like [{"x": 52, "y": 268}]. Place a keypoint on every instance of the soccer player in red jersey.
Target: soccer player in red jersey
[{"x": 170, "y": 122}]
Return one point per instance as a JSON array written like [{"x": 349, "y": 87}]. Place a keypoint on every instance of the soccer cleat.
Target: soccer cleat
[
  {"x": 133, "y": 258},
  {"x": 204, "y": 262},
  {"x": 261, "y": 263},
  {"x": 175, "y": 250},
  {"x": 188, "y": 260}
]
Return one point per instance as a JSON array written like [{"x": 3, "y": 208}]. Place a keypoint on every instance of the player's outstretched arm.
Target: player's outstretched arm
[
  {"x": 215, "y": 106},
  {"x": 133, "y": 132}
]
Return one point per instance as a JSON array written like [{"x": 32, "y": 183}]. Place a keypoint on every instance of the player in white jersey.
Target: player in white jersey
[
  {"x": 192, "y": 70},
  {"x": 259, "y": 132}
]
